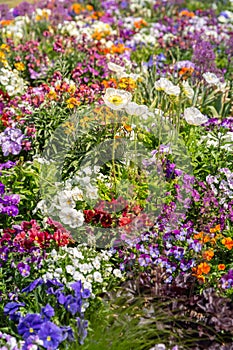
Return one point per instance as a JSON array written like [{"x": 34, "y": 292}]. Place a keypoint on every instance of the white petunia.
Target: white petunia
[
  {"x": 71, "y": 217},
  {"x": 193, "y": 116},
  {"x": 65, "y": 198},
  {"x": 117, "y": 99}
]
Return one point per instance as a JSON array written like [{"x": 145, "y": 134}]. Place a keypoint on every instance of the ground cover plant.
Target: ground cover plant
[{"x": 116, "y": 175}]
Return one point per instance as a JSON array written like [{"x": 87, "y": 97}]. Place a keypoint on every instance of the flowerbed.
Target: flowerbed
[{"x": 116, "y": 175}]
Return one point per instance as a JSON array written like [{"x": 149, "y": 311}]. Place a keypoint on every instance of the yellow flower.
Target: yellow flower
[
  {"x": 20, "y": 66},
  {"x": 69, "y": 127},
  {"x": 72, "y": 102},
  {"x": 5, "y": 47}
]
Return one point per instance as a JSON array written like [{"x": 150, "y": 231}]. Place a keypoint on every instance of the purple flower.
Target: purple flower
[
  {"x": 32, "y": 285},
  {"x": 86, "y": 294},
  {"x": 51, "y": 335},
  {"x": 77, "y": 286},
  {"x": 24, "y": 269},
  {"x": 11, "y": 210},
  {"x": 82, "y": 329},
  {"x": 30, "y": 325},
  {"x": 72, "y": 304},
  {"x": 12, "y": 307},
  {"x": 2, "y": 188},
  {"x": 47, "y": 312},
  {"x": 67, "y": 333}
]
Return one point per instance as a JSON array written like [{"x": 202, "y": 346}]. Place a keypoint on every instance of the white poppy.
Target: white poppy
[
  {"x": 211, "y": 78},
  {"x": 135, "y": 109},
  {"x": 193, "y": 116},
  {"x": 187, "y": 90},
  {"x": 117, "y": 99}
]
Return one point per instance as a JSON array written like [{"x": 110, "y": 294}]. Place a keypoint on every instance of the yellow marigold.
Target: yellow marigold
[
  {"x": 72, "y": 102},
  {"x": 19, "y": 66},
  {"x": 208, "y": 255},
  {"x": 228, "y": 242}
]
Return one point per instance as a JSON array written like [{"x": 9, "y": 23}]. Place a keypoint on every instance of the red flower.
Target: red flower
[
  {"x": 106, "y": 220},
  {"x": 62, "y": 238},
  {"x": 88, "y": 214},
  {"x": 124, "y": 220}
]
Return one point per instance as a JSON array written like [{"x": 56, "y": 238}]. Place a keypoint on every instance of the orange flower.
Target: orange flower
[
  {"x": 221, "y": 267},
  {"x": 140, "y": 24},
  {"x": 203, "y": 268},
  {"x": 228, "y": 242},
  {"x": 77, "y": 8},
  {"x": 198, "y": 235},
  {"x": 208, "y": 255},
  {"x": 215, "y": 229},
  {"x": 6, "y": 22},
  {"x": 187, "y": 13}
]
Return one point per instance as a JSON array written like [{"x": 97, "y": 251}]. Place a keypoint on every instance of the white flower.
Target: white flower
[
  {"x": 188, "y": 91},
  {"x": 87, "y": 285},
  {"x": 115, "y": 67},
  {"x": 96, "y": 264},
  {"x": 97, "y": 277},
  {"x": 193, "y": 116},
  {"x": 85, "y": 268},
  {"x": 70, "y": 269},
  {"x": 91, "y": 192},
  {"x": 77, "y": 194},
  {"x": 135, "y": 109},
  {"x": 65, "y": 199},
  {"x": 162, "y": 84},
  {"x": 211, "y": 78},
  {"x": 117, "y": 273},
  {"x": 77, "y": 253},
  {"x": 117, "y": 99},
  {"x": 167, "y": 86},
  {"x": 72, "y": 217},
  {"x": 77, "y": 276}
]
